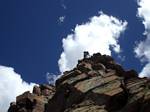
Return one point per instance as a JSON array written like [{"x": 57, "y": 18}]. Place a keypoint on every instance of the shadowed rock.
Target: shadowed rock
[{"x": 96, "y": 84}]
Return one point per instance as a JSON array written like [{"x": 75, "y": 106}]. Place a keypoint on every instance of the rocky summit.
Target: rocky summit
[{"x": 96, "y": 84}]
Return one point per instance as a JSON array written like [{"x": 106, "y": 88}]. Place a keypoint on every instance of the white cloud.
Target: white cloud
[
  {"x": 142, "y": 49},
  {"x": 97, "y": 35},
  {"x": 61, "y": 19},
  {"x": 64, "y": 6},
  {"x": 145, "y": 70},
  {"x": 51, "y": 78},
  {"x": 11, "y": 85}
]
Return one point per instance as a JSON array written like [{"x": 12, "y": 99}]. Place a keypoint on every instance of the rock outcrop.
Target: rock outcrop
[
  {"x": 96, "y": 84},
  {"x": 35, "y": 101}
]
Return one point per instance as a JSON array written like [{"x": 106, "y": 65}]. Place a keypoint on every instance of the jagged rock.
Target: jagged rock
[
  {"x": 33, "y": 102},
  {"x": 36, "y": 90},
  {"x": 47, "y": 90},
  {"x": 96, "y": 84},
  {"x": 130, "y": 74},
  {"x": 13, "y": 107},
  {"x": 98, "y": 66}
]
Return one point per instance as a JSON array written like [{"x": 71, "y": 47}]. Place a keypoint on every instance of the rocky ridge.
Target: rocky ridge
[{"x": 96, "y": 84}]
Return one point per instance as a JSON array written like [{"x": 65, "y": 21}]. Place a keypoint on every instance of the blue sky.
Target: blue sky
[{"x": 31, "y": 34}]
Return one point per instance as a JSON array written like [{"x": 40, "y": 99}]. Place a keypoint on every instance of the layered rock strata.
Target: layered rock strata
[{"x": 96, "y": 84}]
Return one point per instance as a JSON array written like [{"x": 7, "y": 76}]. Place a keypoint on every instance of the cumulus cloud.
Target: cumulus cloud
[
  {"x": 97, "y": 35},
  {"x": 11, "y": 85},
  {"x": 142, "y": 49}
]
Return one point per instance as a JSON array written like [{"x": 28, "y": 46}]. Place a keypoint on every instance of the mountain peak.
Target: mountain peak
[{"x": 96, "y": 84}]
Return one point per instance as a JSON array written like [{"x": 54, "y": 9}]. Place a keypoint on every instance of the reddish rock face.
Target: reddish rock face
[
  {"x": 96, "y": 84},
  {"x": 33, "y": 102}
]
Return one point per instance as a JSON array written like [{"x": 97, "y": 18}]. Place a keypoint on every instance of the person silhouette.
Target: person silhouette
[{"x": 86, "y": 54}]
